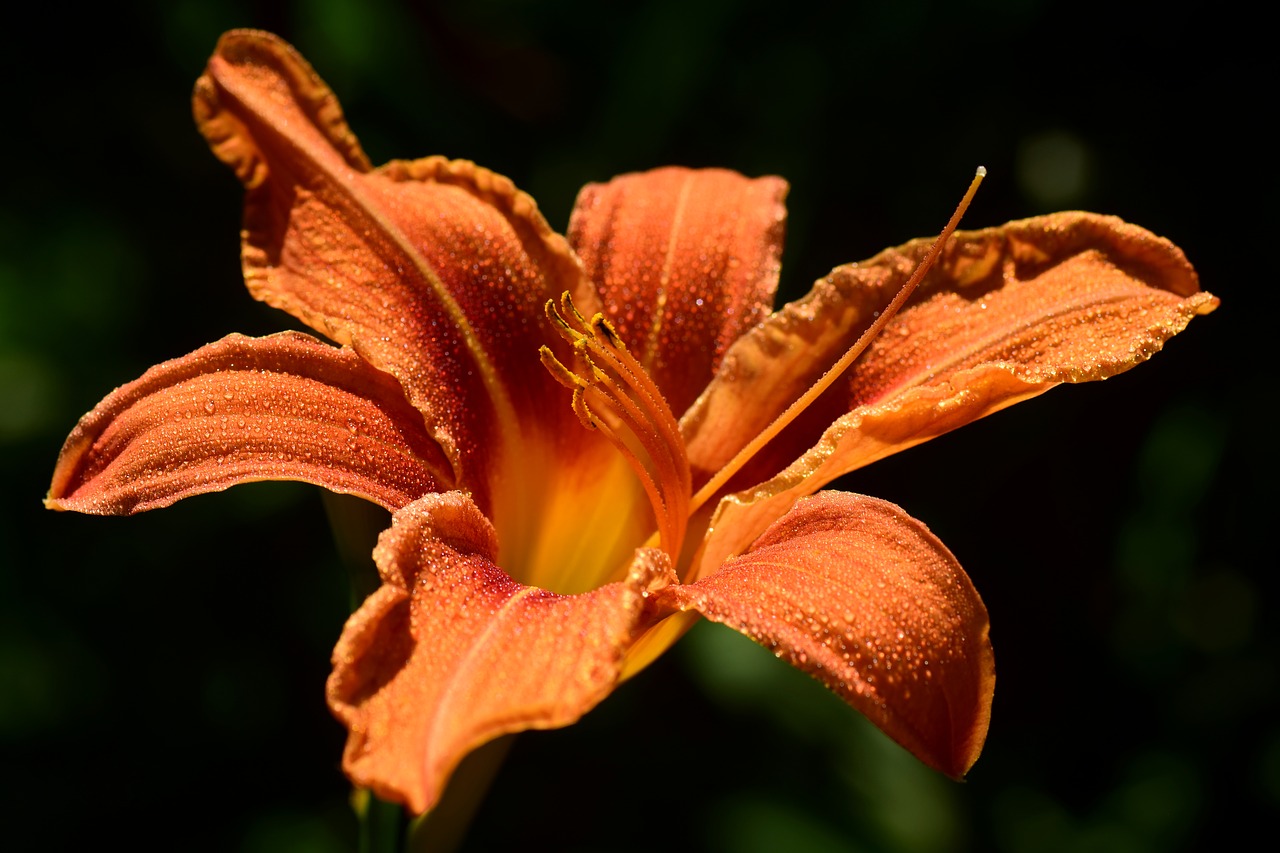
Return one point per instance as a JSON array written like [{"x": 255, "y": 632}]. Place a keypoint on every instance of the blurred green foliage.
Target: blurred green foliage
[{"x": 161, "y": 678}]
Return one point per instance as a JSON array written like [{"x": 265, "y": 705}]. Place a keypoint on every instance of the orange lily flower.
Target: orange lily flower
[{"x": 547, "y": 544}]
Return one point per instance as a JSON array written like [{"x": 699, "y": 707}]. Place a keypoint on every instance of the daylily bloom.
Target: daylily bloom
[{"x": 548, "y": 542}]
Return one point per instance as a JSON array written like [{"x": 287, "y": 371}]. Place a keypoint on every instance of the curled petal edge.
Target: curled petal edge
[
  {"x": 910, "y": 417},
  {"x": 1070, "y": 297},
  {"x": 451, "y": 653},
  {"x": 385, "y": 260}
]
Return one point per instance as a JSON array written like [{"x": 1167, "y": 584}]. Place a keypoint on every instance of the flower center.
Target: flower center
[{"x": 614, "y": 395}]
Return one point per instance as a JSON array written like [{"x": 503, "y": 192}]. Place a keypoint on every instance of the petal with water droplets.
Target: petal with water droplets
[
  {"x": 435, "y": 271},
  {"x": 863, "y": 597},
  {"x": 1007, "y": 314},
  {"x": 1070, "y": 297},
  {"x": 451, "y": 652},
  {"x": 284, "y": 407},
  {"x": 686, "y": 261}
]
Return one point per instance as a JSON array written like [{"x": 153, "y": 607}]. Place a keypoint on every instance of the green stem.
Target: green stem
[
  {"x": 356, "y": 524},
  {"x": 381, "y": 823},
  {"x": 443, "y": 829},
  {"x": 383, "y": 827}
]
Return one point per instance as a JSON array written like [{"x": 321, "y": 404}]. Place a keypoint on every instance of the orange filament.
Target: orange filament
[
  {"x": 612, "y": 393},
  {"x": 833, "y": 373}
]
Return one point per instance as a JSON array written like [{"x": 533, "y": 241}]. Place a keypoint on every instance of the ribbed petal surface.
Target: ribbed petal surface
[
  {"x": 686, "y": 261},
  {"x": 285, "y": 407},
  {"x": 451, "y": 652},
  {"x": 863, "y": 597},
  {"x": 436, "y": 271},
  {"x": 1069, "y": 297},
  {"x": 1007, "y": 314}
]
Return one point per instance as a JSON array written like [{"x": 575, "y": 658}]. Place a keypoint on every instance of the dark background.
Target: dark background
[{"x": 161, "y": 677}]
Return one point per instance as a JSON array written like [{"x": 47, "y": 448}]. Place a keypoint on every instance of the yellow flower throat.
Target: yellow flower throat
[{"x": 614, "y": 395}]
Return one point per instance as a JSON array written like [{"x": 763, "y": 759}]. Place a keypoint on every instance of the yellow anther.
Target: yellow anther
[
  {"x": 559, "y": 372},
  {"x": 567, "y": 306},
  {"x": 580, "y": 408},
  {"x": 627, "y": 409},
  {"x": 606, "y": 333}
]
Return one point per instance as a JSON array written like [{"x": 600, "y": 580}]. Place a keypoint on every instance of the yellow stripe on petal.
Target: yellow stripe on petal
[{"x": 435, "y": 271}]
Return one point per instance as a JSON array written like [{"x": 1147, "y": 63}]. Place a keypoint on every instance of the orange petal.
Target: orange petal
[
  {"x": 686, "y": 261},
  {"x": 1006, "y": 314},
  {"x": 863, "y": 597},
  {"x": 435, "y": 271},
  {"x": 286, "y": 407},
  {"x": 451, "y": 652}
]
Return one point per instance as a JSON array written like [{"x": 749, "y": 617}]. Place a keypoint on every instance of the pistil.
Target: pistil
[
  {"x": 721, "y": 477},
  {"x": 612, "y": 393}
]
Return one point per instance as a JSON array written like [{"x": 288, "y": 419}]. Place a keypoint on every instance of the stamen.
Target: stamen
[
  {"x": 612, "y": 393},
  {"x": 640, "y": 383},
  {"x": 559, "y": 372},
  {"x": 833, "y": 373}
]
